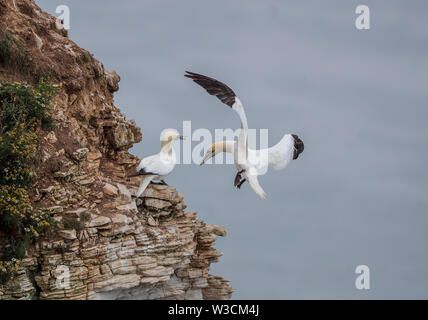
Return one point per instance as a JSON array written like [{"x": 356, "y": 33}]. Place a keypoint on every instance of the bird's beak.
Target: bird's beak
[
  {"x": 134, "y": 175},
  {"x": 207, "y": 156}
]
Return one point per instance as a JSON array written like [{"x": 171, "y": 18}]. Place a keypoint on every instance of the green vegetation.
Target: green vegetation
[
  {"x": 23, "y": 111},
  {"x": 64, "y": 33},
  {"x": 12, "y": 53},
  {"x": 73, "y": 223}
]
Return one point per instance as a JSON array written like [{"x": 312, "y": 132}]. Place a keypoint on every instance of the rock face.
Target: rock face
[{"x": 106, "y": 244}]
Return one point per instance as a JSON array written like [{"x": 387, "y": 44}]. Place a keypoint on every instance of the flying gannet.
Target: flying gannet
[
  {"x": 249, "y": 163},
  {"x": 158, "y": 166}
]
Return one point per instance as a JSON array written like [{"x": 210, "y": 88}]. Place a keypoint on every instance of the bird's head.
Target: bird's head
[
  {"x": 211, "y": 152},
  {"x": 220, "y": 146},
  {"x": 169, "y": 136}
]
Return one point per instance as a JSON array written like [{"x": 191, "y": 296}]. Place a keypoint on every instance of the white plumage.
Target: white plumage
[
  {"x": 249, "y": 163},
  {"x": 158, "y": 166},
  {"x": 258, "y": 161}
]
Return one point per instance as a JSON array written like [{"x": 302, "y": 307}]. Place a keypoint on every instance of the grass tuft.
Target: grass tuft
[{"x": 12, "y": 53}]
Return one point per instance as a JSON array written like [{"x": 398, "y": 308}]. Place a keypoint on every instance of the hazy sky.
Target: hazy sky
[{"x": 358, "y": 99}]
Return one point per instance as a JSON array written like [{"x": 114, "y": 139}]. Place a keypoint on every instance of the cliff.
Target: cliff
[{"x": 104, "y": 242}]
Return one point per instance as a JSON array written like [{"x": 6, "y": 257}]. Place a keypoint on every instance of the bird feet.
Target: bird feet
[
  {"x": 161, "y": 183},
  {"x": 238, "y": 179},
  {"x": 240, "y": 183}
]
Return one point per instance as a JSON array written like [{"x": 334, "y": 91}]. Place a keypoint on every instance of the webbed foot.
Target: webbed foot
[
  {"x": 238, "y": 179},
  {"x": 240, "y": 183}
]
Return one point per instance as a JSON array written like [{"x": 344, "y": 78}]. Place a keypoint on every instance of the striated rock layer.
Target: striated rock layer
[{"x": 106, "y": 244}]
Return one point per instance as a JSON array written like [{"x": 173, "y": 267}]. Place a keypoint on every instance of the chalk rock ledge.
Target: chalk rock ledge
[{"x": 106, "y": 243}]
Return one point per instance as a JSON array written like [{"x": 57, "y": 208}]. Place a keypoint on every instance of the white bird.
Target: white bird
[
  {"x": 158, "y": 166},
  {"x": 249, "y": 163}
]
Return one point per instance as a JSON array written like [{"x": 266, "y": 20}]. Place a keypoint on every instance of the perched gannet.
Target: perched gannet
[
  {"x": 158, "y": 166},
  {"x": 249, "y": 163}
]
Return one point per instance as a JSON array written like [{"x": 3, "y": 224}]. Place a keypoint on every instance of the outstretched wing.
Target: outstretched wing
[
  {"x": 243, "y": 134},
  {"x": 214, "y": 87},
  {"x": 228, "y": 97}
]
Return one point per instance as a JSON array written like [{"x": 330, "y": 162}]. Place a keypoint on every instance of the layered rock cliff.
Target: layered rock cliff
[{"x": 105, "y": 243}]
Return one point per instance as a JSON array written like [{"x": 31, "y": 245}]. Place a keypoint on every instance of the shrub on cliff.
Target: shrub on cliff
[
  {"x": 23, "y": 111},
  {"x": 12, "y": 53}
]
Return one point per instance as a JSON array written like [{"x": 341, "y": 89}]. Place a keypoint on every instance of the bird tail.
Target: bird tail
[
  {"x": 140, "y": 172},
  {"x": 134, "y": 174},
  {"x": 143, "y": 184},
  {"x": 254, "y": 184},
  {"x": 298, "y": 146}
]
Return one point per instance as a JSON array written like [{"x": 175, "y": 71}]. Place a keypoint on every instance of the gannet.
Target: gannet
[
  {"x": 249, "y": 163},
  {"x": 158, "y": 166}
]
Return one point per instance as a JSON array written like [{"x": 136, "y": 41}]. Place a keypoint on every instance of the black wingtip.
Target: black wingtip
[
  {"x": 213, "y": 87},
  {"x": 134, "y": 175},
  {"x": 298, "y": 146},
  {"x": 191, "y": 75}
]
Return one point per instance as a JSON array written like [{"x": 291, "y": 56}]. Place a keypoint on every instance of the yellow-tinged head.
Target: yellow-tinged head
[
  {"x": 214, "y": 149},
  {"x": 169, "y": 136}
]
